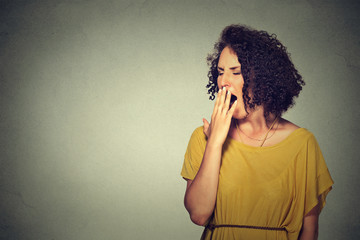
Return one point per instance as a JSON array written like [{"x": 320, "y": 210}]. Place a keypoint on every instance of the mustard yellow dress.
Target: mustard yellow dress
[{"x": 271, "y": 187}]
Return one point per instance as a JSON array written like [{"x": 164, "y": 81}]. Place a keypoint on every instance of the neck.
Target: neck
[{"x": 256, "y": 123}]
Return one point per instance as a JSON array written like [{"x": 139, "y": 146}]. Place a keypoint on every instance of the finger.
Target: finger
[
  {"x": 222, "y": 98},
  {"x": 206, "y": 127},
  {"x": 217, "y": 101},
  {"x": 227, "y": 102},
  {"x": 206, "y": 124}
]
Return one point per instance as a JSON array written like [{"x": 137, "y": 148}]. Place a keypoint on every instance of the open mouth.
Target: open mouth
[{"x": 232, "y": 100}]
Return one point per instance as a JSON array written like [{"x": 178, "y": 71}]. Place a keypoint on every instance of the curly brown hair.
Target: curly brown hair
[{"x": 265, "y": 65}]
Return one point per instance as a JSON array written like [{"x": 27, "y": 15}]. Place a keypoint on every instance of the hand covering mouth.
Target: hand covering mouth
[{"x": 232, "y": 100}]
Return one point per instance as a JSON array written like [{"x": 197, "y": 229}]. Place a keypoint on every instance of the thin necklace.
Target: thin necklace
[
  {"x": 256, "y": 138},
  {"x": 265, "y": 138}
]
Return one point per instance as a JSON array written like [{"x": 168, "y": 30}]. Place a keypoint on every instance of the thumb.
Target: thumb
[
  {"x": 206, "y": 123},
  {"x": 206, "y": 127}
]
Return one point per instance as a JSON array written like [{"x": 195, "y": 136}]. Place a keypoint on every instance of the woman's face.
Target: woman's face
[{"x": 230, "y": 77}]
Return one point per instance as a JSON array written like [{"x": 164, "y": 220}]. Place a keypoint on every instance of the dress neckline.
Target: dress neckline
[{"x": 288, "y": 138}]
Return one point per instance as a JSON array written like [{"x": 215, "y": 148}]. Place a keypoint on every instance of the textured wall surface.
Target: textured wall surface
[{"x": 98, "y": 100}]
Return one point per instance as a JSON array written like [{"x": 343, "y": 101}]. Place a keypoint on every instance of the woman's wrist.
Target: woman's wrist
[{"x": 214, "y": 144}]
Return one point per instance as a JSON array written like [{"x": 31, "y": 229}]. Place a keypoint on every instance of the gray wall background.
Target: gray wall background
[{"x": 99, "y": 99}]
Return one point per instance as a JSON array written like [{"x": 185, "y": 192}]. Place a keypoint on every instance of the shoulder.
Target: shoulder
[
  {"x": 199, "y": 133},
  {"x": 290, "y": 131},
  {"x": 198, "y": 137},
  {"x": 287, "y": 128},
  {"x": 194, "y": 153}
]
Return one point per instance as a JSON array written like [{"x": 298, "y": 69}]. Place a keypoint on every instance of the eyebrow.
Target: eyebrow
[{"x": 232, "y": 68}]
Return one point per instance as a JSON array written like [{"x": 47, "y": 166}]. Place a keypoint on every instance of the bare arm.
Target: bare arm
[
  {"x": 200, "y": 196},
  {"x": 310, "y": 228}
]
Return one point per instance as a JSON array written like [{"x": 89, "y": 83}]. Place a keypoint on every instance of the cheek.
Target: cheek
[
  {"x": 241, "y": 81},
  {"x": 218, "y": 81},
  {"x": 240, "y": 85}
]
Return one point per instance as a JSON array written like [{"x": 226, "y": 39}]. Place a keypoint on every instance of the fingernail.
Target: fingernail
[
  {"x": 223, "y": 88},
  {"x": 228, "y": 93}
]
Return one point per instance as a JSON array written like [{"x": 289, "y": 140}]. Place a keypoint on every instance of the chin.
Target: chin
[{"x": 239, "y": 114}]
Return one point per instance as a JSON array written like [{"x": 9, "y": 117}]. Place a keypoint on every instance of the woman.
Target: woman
[{"x": 250, "y": 173}]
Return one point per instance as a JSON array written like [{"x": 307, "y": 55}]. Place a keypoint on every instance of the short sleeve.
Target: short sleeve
[
  {"x": 194, "y": 154},
  {"x": 318, "y": 179}
]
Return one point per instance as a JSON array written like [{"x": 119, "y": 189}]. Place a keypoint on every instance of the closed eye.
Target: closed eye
[{"x": 237, "y": 73}]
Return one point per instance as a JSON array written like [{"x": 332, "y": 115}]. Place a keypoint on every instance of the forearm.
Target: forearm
[
  {"x": 200, "y": 197},
  {"x": 310, "y": 228},
  {"x": 309, "y": 234}
]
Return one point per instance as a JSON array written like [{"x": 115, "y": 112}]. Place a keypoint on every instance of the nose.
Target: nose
[{"x": 224, "y": 81}]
